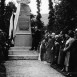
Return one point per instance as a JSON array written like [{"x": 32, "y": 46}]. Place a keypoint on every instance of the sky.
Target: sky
[
  {"x": 44, "y": 6},
  {"x": 33, "y": 6}
]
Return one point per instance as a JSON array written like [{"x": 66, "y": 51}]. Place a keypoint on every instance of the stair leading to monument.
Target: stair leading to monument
[{"x": 19, "y": 53}]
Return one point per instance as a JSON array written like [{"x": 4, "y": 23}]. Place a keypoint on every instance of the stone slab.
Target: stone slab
[{"x": 23, "y": 40}]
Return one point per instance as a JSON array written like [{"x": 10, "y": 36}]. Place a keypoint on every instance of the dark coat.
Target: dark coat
[
  {"x": 73, "y": 56},
  {"x": 50, "y": 50}
]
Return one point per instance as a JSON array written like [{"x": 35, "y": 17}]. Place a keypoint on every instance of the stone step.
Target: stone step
[
  {"x": 23, "y": 57},
  {"x": 22, "y": 52},
  {"x": 22, "y": 32},
  {"x": 19, "y": 48}
]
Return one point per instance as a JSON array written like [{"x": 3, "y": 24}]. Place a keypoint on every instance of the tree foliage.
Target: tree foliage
[
  {"x": 2, "y": 6},
  {"x": 5, "y": 15},
  {"x": 9, "y": 10},
  {"x": 38, "y": 18},
  {"x": 65, "y": 16},
  {"x": 51, "y": 16}
]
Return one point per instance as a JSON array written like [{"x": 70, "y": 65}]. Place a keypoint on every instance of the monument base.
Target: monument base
[
  {"x": 23, "y": 35},
  {"x": 23, "y": 39}
]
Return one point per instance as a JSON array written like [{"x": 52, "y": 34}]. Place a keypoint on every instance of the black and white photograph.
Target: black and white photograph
[{"x": 38, "y": 38}]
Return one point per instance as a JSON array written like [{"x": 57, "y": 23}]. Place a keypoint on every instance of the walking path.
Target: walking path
[{"x": 30, "y": 68}]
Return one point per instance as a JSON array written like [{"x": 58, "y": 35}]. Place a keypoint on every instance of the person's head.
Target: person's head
[
  {"x": 56, "y": 37},
  {"x": 53, "y": 35},
  {"x": 75, "y": 31},
  {"x": 66, "y": 36},
  {"x": 0, "y": 30},
  {"x": 61, "y": 32},
  {"x": 36, "y": 27},
  {"x": 71, "y": 33}
]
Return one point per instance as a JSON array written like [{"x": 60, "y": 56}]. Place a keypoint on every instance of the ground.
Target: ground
[{"x": 30, "y": 68}]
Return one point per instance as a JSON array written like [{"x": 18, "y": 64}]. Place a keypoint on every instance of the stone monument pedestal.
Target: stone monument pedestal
[
  {"x": 23, "y": 39},
  {"x": 23, "y": 35}
]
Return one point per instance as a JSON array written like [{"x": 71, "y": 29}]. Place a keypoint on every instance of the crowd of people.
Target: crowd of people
[{"x": 60, "y": 50}]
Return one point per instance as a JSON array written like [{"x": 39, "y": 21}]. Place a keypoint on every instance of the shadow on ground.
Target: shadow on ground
[{"x": 2, "y": 70}]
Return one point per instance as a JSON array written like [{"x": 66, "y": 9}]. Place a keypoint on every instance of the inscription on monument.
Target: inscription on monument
[
  {"x": 24, "y": 17},
  {"x": 23, "y": 25}
]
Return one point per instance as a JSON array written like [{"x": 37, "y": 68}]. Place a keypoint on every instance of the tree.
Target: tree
[
  {"x": 51, "y": 16},
  {"x": 38, "y": 17},
  {"x": 2, "y": 14},
  {"x": 65, "y": 16},
  {"x": 9, "y": 9},
  {"x": 73, "y": 4}
]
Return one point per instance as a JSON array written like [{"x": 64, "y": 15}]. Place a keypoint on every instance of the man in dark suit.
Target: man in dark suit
[{"x": 36, "y": 38}]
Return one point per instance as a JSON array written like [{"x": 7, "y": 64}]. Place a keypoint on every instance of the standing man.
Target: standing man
[{"x": 36, "y": 38}]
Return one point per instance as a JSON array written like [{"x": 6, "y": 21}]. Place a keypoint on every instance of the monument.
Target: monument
[
  {"x": 22, "y": 34},
  {"x": 22, "y": 29}
]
